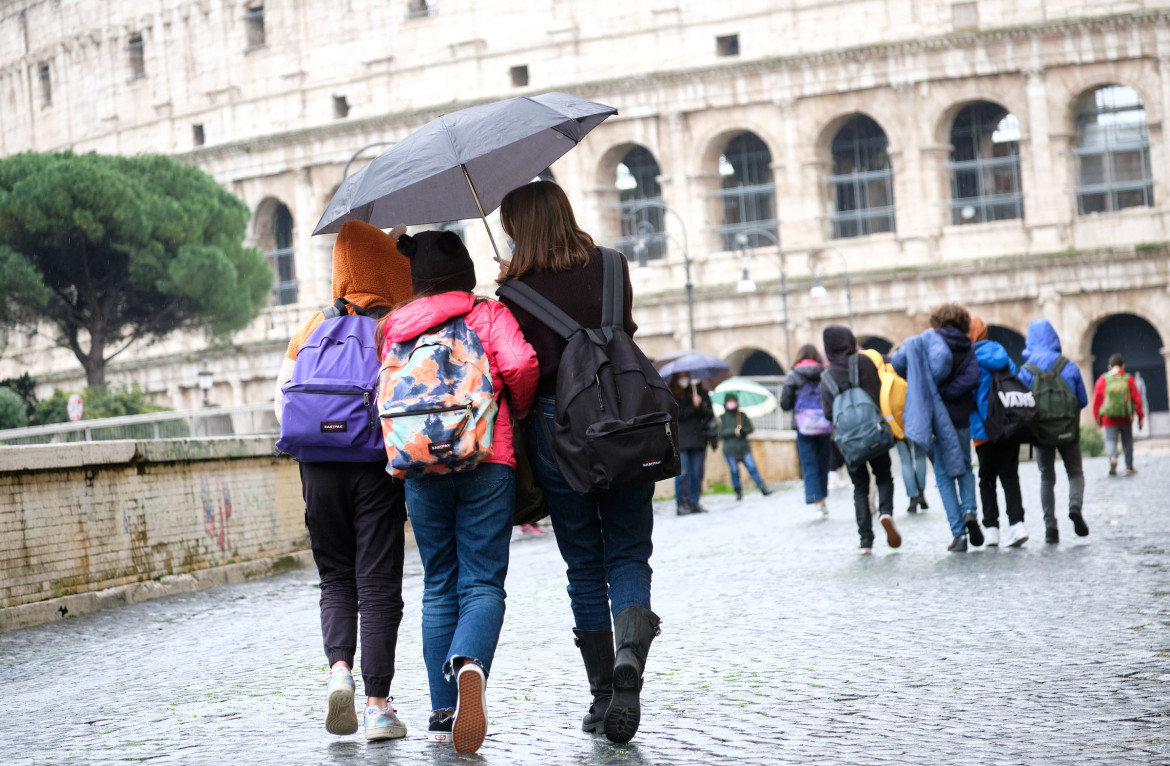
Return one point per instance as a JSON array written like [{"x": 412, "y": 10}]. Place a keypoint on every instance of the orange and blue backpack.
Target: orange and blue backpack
[{"x": 436, "y": 402}]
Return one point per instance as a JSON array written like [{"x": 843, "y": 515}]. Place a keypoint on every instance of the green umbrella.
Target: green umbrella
[{"x": 754, "y": 399}]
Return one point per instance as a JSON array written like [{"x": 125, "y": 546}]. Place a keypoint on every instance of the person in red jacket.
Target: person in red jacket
[{"x": 1115, "y": 401}]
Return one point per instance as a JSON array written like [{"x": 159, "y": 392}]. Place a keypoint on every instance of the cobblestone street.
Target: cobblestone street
[{"x": 780, "y": 645}]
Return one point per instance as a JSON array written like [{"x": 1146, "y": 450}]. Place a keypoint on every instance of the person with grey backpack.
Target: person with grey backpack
[{"x": 850, "y": 392}]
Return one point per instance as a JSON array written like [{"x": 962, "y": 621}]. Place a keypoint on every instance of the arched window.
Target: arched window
[
  {"x": 642, "y": 225},
  {"x": 274, "y": 234},
  {"x": 748, "y": 195},
  {"x": 1011, "y": 341},
  {"x": 1140, "y": 343},
  {"x": 1113, "y": 151},
  {"x": 862, "y": 183},
  {"x": 985, "y": 165}
]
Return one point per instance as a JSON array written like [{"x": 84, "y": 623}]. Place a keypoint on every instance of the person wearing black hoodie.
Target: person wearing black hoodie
[{"x": 840, "y": 345}]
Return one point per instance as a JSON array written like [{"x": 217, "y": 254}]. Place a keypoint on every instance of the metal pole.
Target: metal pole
[
  {"x": 784, "y": 303},
  {"x": 690, "y": 286},
  {"x": 345, "y": 173},
  {"x": 482, "y": 217}
]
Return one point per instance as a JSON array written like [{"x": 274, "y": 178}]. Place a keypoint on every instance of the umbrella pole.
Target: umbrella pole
[{"x": 481, "y": 214}]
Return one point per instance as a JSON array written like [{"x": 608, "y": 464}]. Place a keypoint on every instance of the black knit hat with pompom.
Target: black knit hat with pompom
[{"x": 439, "y": 262}]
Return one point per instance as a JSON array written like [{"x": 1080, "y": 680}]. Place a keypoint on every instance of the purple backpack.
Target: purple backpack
[
  {"x": 329, "y": 411},
  {"x": 810, "y": 418}
]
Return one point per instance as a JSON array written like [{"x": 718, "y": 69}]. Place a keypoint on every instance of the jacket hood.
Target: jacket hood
[
  {"x": 422, "y": 314},
  {"x": 978, "y": 330},
  {"x": 991, "y": 355},
  {"x": 367, "y": 267},
  {"x": 957, "y": 342},
  {"x": 839, "y": 342},
  {"x": 807, "y": 371},
  {"x": 1042, "y": 338}
]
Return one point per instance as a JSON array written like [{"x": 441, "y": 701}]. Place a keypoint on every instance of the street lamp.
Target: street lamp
[
  {"x": 345, "y": 173},
  {"x": 644, "y": 272},
  {"x": 741, "y": 239},
  {"x": 206, "y": 381},
  {"x": 818, "y": 290},
  {"x": 629, "y": 217}
]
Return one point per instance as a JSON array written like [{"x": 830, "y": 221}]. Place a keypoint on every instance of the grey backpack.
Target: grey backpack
[{"x": 859, "y": 430}]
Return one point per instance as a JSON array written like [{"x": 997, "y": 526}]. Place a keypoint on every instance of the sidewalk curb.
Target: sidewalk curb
[{"x": 58, "y": 609}]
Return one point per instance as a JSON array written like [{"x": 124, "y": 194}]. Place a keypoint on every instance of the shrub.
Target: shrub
[
  {"x": 1091, "y": 441},
  {"x": 100, "y": 402},
  {"x": 12, "y": 411}
]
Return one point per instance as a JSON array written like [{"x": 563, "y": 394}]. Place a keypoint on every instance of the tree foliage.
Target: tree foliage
[
  {"x": 26, "y": 388},
  {"x": 99, "y": 402},
  {"x": 12, "y": 412},
  {"x": 112, "y": 249}
]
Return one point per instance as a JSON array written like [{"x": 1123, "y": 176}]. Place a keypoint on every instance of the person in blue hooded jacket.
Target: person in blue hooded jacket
[
  {"x": 1042, "y": 348},
  {"x": 997, "y": 460}
]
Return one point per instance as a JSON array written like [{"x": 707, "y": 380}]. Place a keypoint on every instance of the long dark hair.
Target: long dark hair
[
  {"x": 540, "y": 221},
  {"x": 808, "y": 351}
]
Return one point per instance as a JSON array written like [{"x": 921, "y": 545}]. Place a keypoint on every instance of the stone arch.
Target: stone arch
[
  {"x": 1111, "y": 157},
  {"x": 941, "y": 133},
  {"x": 273, "y": 227},
  {"x": 1088, "y": 85},
  {"x": 753, "y": 362},
  {"x": 1140, "y": 342},
  {"x": 715, "y": 144},
  {"x": 1012, "y": 341},
  {"x": 744, "y": 197},
  {"x": 631, "y": 171},
  {"x": 859, "y": 189}
]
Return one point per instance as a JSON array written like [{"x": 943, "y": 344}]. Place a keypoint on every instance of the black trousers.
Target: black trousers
[
  {"x": 1000, "y": 461},
  {"x": 859, "y": 474},
  {"x": 356, "y": 513}
]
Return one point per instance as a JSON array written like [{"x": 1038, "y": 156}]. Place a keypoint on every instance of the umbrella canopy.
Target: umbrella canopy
[
  {"x": 460, "y": 165},
  {"x": 695, "y": 363},
  {"x": 754, "y": 400}
]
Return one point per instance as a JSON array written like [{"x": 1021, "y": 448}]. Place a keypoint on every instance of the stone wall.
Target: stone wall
[{"x": 76, "y": 518}]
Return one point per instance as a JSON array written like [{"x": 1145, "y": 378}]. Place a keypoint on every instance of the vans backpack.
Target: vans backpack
[
  {"x": 893, "y": 398},
  {"x": 1118, "y": 402},
  {"x": 1011, "y": 407},
  {"x": 327, "y": 409},
  {"x": 860, "y": 431},
  {"x": 616, "y": 423},
  {"x": 436, "y": 402},
  {"x": 1058, "y": 413},
  {"x": 808, "y": 413}
]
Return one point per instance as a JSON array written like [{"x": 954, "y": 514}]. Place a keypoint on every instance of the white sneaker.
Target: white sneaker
[
  {"x": 383, "y": 723},
  {"x": 991, "y": 536},
  {"x": 1017, "y": 535},
  {"x": 341, "y": 717}
]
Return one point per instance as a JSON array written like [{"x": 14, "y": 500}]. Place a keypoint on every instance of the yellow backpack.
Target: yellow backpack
[{"x": 893, "y": 393}]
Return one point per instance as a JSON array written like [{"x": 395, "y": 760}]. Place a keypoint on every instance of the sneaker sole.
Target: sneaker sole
[
  {"x": 341, "y": 718},
  {"x": 625, "y": 711},
  {"x": 1018, "y": 543},
  {"x": 893, "y": 539},
  {"x": 439, "y": 736},
  {"x": 470, "y": 725}
]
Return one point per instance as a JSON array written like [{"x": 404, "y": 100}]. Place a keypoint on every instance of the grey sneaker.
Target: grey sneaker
[
  {"x": 958, "y": 545},
  {"x": 341, "y": 717}
]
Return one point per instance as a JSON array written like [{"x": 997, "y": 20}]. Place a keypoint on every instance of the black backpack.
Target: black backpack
[
  {"x": 1011, "y": 407},
  {"x": 616, "y": 422}
]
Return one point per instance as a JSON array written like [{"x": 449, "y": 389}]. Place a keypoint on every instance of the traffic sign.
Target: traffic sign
[{"x": 75, "y": 407}]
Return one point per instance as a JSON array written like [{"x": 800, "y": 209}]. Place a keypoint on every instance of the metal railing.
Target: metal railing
[{"x": 237, "y": 420}]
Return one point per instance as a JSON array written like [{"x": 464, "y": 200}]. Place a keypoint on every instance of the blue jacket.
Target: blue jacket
[
  {"x": 924, "y": 361},
  {"x": 1042, "y": 348},
  {"x": 992, "y": 358}
]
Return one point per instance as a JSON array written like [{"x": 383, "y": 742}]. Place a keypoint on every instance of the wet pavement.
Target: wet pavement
[{"x": 780, "y": 645}]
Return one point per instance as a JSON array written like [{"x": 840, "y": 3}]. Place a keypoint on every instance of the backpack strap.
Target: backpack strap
[
  {"x": 830, "y": 384},
  {"x": 854, "y": 372},
  {"x": 1036, "y": 371},
  {"x": 338, "y": 309},
  {"x": 612, "y": 303},
  {"x": 548, "y": 313},
  {"x": 1058, "y": 365}
]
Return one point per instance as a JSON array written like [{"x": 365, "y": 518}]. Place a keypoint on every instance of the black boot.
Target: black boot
[
  {"x": 764, "y": 490},
  {"x": 597, "y": 653},
  {"x": 634, "y": 628},
  {"x": 738, "y": 494}
]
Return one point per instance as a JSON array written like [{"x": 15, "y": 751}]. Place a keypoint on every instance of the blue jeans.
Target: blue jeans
[
  {"x": 913, "y": 459},
  {"x": 688, "y": 485},
  {"x": 604, "y": 537},
  {"x": 956, "y": 504},
  {"x": 815, "y": 453},
  {"x": 749, "y": 463},
  {"x": 462, "y": 525}
]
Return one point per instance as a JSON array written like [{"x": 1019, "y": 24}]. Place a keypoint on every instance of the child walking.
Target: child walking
[
  {"x": 462, "y": 520},
  {"x": 734, "y": 427}
]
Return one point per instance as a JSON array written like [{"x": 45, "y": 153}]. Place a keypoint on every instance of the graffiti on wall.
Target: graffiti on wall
[{"x": 217, "y": 512}]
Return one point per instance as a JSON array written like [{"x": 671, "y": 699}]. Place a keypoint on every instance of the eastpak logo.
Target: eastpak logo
[
  {"x": 1017, "y": 399},
  {"x": 334, "y": 426},
  {"x": 651, "y": 463},
  {"x": 440, "y": 448}
]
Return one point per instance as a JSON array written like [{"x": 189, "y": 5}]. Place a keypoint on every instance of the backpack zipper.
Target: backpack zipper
[
  {"x": 365, "y": 395},
  {"x": 454, "y": 408}
]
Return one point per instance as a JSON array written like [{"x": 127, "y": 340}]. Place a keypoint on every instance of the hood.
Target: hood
[
  {"x": 807, "y": 371},
  {"x": 978, "y": 330},
  {"x": 1042, "y": 339},
  {"x": 367, "y": 267},
  {"x": 957, "y": 342},
  {"x": 422, "y": 314},
  {"x": 991, "y": 355},
  {"x": 839, "y": 343}
]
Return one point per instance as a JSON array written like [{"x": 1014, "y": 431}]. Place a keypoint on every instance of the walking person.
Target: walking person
[
  {"x": 694, "y": 415},
  {"x": 1116, "y": 399},
  {"x": 354, "y": 510},
  {"x": 462, "y": 520},
  {"x": 941, "y": 374},
  {"x": 604, "y": 536},
  {"x": 801, "y": 395},
  {"x": 841, "y": 348},
  {"x": 1047, "y": 367},
  {"x": 997, "y": 460},
  {"x": 912, "y": 459},
  {"x": 734, "y": 428}
]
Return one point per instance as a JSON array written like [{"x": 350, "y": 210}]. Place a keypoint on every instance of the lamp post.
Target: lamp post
[
  {"x": 818, "y": 290},
  {"x": 629, "y": 218},
  {"x": 206, "y": 381},
  {"x": 345, "y": 173},
  {"x": 741, "y": 239}
]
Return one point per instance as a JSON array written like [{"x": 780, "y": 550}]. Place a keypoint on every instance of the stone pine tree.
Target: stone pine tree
[{"x": 113, "y": 249}]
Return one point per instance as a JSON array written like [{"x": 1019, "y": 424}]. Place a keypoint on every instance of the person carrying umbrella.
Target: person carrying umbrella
[{"x": 695, "y": 414}]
